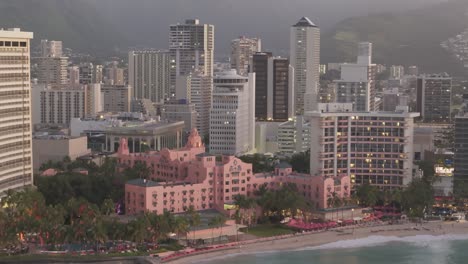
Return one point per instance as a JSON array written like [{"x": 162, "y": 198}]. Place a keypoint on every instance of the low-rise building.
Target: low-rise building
[
  {"x": 104, "y": 132},
  {"x": 143, "y": 136},
  {"x": 191, "y": 177},
  {"x": 56, "y": 147}
]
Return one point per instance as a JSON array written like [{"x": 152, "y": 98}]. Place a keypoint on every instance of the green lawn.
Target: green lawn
[{"x": 267, "y": 230}]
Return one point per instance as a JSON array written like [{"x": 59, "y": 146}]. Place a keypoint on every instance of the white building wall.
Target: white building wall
[
  {"x": 15, "y": 111},
  {"x": 232, "y": 117}
]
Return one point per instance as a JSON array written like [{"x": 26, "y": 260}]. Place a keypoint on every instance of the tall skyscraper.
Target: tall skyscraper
[
  {"x": 15, "y": 116},
  {"x": 242, "y": 50},
  {"x": 357, "y": 82},
  {"x": 232, "y": 118},
  {"x": 192, "y": 48},
  {"x": 51, "y": 48},
  {"x": 305, "y": 59},
  {"x": 149, "y": 74},
  {"x": 274, "y": 99},
  {"x": 434, "y": 97}
]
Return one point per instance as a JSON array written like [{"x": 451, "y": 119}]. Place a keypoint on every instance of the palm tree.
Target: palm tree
[
  {"x": 212, "y": 223},
  {"x": 107, "y": 206},
  {"x": 220, "y": 221},
  {"x": 193, "y": 218},
  {"x": 181, "y": 226}
]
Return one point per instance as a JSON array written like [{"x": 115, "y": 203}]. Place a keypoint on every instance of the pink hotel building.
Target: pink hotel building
[{"x": 191, "y": 177}]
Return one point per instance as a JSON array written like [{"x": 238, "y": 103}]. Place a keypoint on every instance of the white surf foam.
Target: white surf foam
[
  {"x": 433, "y": 242},
  {"x": 418, "y": 240}
]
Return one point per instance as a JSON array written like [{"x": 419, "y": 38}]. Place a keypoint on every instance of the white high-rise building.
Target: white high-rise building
[
  {"x": 51, "y": 48},
  {"x": 242, "y": 51},
  {"x": 373, "y": 148},
  {"x": 149, "y": 74},
  {"x": 357, "y": 82},
  {"x": 305, "y": 59},
  {"x": 232, "y": 118},
  {"x": 15, "y": 115},
  {"x": 192, "y": 48}
]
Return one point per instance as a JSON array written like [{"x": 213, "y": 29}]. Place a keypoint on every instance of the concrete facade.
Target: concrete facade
[
  {"x": 180, "y": 111},
  {"x": 191, "y": 46},
  {"x": 59, "y": 106},
  {"x": 294, "y": 136},
  {"x": 55, "y": 148},
  {"x": 357, "y": 82},
  {"x": 15, "y": 115},
  {"x": 232, "y": 117},
  {"x": 242, "y": 50},
  {"x": 149, "y": 74},
  {"x": 116, "y": 98},
  {"x": 305, "y": 59}
]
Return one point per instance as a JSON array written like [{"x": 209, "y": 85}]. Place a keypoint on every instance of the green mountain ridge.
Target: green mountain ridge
[
  {"x": 408, "y": 38},
  {"x": 76, "y": 23}
]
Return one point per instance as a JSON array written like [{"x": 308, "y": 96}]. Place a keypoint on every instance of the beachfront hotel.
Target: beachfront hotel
[
  {"x": 191, "y": 177},
  {"x": 369, "y": 147}
]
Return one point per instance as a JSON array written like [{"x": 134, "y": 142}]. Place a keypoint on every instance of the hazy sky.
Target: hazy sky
[{"x": 147, "y": 21}]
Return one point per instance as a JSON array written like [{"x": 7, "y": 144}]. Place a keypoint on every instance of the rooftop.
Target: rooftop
[
  {"x": 143, "y": 183},
  {"x": 304, "y": 22},
  {"x": 205, "y": 154},
  {"x": 283, "y": 165}
]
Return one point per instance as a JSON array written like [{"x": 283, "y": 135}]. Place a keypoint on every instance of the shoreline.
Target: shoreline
[{"x": 301, "y": 241}]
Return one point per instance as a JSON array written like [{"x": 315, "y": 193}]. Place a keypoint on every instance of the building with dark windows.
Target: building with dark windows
[
  {"x": 434, "y": 98},
  {"x": 274, "y": 99}
]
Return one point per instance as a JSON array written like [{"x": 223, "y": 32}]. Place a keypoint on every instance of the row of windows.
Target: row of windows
[{"x": 13, "y": 44}]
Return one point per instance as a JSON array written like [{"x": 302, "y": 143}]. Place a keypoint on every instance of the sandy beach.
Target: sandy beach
[{"x": 316, "y": 239}]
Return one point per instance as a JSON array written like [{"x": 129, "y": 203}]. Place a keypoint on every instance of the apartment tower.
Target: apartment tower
[
  {"x": 15, "y": 115},
  {"x": 305, "y": 59}
]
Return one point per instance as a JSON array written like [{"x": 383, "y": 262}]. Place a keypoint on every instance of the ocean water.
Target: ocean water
[{"x": 424, "y": 249}]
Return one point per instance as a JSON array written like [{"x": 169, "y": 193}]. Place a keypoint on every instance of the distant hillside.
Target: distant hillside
[
  {"x": 409, "y": 38},
  {"x": 77, "y": 23}
]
